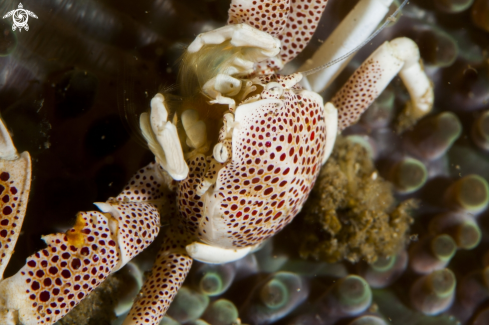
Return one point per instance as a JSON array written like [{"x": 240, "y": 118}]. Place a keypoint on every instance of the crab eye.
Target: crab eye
[
  {"x": 220, "y": 153},
  {"x": 275, "y": 88},
  {"x": 227, "y": 85}
]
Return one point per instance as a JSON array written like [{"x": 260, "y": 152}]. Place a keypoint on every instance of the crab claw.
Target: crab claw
[
  {"x": 15, "y": 181},
  {"x": 240, "y": 35},
  {"x": 162, "y": 138},
  {"x": 55, "y": 279}
]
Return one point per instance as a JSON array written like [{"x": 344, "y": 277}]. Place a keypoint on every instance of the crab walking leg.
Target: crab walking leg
[
  {"x": 357, "y": 26},
  {"x": 303, "y": 19},
  {"x": 398, "y": 56},
  {"x": 57, "y": 278},
  {"x": 15, "y": 181},
  {"x": 269, "y": 16},
  {"x": 167, "y": 275}
]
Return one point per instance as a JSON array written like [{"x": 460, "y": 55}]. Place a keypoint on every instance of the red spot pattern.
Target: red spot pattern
[
  {"x": 57, "y": 278},
  {"x": 189, "y": 203},
  {"x": 301, "y": 24},
  {"x": 301, "y": 18},
  {"x": 139, "y": 224},
  {"x": 279, "y": 151},
  {"x": 146, "y": 186},
  {"x": 358, "y": 93},
  {"x": 266, "y": 15},
  {"x": 167, "y": 275}
]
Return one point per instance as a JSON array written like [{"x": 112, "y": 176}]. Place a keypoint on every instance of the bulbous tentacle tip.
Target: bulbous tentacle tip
[
  {"x": 462, "y": 227},
  {"x": 385, "y": 270},
  {"x": 408, "y": 175},
  {"x": 188, "y": 305},
  {"x": 468, "y": 194},
  {"x": 221, "y": 312},
  {"x": 213, "y": 280},
  {"x": 432, "y": 137},
  {"x": 352, "y": 294},
  {"x": 434, "y": 293},
  {"x": 275, "y": 298},
  {"x": 432, "y": 253}
]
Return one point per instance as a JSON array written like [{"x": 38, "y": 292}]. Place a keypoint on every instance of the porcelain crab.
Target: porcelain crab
[{"x": 235, "y": 160}]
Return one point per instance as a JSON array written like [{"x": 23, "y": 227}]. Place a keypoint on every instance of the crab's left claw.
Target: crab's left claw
[{"x": 15, "y": 181}]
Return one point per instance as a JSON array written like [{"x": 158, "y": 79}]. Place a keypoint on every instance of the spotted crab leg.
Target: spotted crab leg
[
  {"x": 356, "y": 27},
  {"x": 166, "y": 277},
  {"x": 15, "y": 181},
  {"x": 55, "y": 279},
  {"x": 400, "y": 55}
]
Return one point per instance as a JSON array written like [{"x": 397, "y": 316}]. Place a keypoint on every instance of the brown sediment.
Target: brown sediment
[{"x": 352, "y": 213}]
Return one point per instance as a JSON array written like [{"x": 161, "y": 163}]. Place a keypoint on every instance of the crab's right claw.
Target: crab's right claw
[
  {"x": 162, "y": 138},
  {"x": 15, "y": 181}
]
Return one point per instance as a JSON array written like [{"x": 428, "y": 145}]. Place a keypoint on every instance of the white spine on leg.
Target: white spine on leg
[{"x": 358, "y": 25}]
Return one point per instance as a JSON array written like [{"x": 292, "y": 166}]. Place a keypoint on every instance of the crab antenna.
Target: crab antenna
[{"x": 390, "y": 19}]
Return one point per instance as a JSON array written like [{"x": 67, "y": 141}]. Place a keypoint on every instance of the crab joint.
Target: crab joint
[{"x": 398, "y": 56}]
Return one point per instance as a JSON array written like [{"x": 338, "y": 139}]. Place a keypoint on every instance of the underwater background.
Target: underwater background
[{"x": 72, "y": 88}]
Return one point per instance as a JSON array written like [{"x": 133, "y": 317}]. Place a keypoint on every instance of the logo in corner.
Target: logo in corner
[{"x": 20, "y": 17}]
